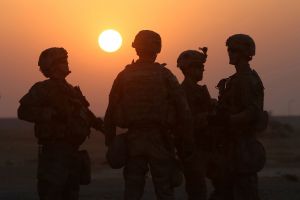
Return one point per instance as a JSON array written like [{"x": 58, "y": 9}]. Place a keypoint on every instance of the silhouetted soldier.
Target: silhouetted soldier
[
  {"x": 141, "y": 99},
  {"x": 191, "y": 63},
  {"x": 62, "y": 123},
  {"x": 239, "y": 156}
]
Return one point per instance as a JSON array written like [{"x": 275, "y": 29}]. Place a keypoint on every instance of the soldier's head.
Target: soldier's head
[
  {"x": 147, "y": 44},
  {"x": 240, "y": 47},
  {"x": 191, "y": 63},
  {"x": 53, "y": 63}
]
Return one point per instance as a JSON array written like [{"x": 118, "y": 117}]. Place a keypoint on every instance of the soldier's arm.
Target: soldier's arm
[
  {"x": 182, "y": 109},
  {"x": 251, "y": 94},
  {"x": 109, "y": 122},
  {"x": 95, "y": 122},
  {"x": 32, "y": 108}
]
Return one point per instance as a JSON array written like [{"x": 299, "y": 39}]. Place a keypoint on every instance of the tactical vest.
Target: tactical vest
[
  {"x": 242, "y": 153},
  {"x": 198, "y": 97},
  {"x": 73, "y": 123},
  {"x": 230, "y": 97},
  {"x": 144, "y": 100}
]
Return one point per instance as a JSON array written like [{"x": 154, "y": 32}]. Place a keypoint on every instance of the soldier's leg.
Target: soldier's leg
[
  {"x": 71, "y": 191},
  {"x": 194, "y": 172},
  {"x": 246, "y": 187},
  {"x": 72, "y": 186},
  {"x": 52, "y": 175},
  {"x": 49, "y": 191},
  {"x": 223, "y": 188},
  {"x": 161, "y": 177},
  {"x": 195, "y": 184},
  {"x": 134, "y": 175}
]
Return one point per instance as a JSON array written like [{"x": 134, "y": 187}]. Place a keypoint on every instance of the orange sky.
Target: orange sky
[{"x": 28, "y": 27}]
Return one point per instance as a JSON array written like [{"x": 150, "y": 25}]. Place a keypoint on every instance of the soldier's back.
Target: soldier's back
[{"x": 145, "y": 94}]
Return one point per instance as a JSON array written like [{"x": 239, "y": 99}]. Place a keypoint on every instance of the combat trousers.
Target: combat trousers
[
  {"x": 58, "y": 172},
  {"x": 194, "y": 173},
  {"x": 235, "y": 187},
  {"x": 147, "y": 151}
]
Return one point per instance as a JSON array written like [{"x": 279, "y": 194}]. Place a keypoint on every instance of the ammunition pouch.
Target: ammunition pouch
[
  {"x": 250, "y": 156},
  {"x": 261, "y": 122},
  {"x": 85, "y": 167},
  {"x": 117, "y": 152}
]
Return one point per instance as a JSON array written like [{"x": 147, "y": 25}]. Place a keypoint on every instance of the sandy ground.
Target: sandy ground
[{"x": 279, "y": 180}]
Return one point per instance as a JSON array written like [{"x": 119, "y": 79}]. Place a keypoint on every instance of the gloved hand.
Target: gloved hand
[
  {"x": 220, "y": 119},
  {"x": 98, "y": 124}
]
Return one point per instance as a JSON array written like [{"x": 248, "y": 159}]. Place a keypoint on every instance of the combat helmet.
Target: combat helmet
[
  {"x": 243, "y": 43},
  {"x": 147, "y": 41},
  {"x": 48, "y": 57},
  {"x": 188, "y": 57}
]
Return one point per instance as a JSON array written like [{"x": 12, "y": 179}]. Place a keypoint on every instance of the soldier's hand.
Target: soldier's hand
[
  {"x": 98, "y": 124},
  {"x": 222, "y": 119}
]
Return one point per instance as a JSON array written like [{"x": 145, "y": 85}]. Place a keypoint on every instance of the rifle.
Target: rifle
[{"x": 73, "y": 105}]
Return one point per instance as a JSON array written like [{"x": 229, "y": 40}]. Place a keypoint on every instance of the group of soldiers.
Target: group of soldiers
[{"x": 172, "y": 128}]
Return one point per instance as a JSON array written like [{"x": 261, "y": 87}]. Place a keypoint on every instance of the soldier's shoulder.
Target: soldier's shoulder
[
  {"x": 163, "y": 67},
  {"x": 134, "y": 65},
  {"x": 40, "y": 85},
  {"x": 251, "y": 79},
  {"x": 203, "y": 88},
  {"x": 167, "y": 73},
  {"x": 122, "y": 74},
  {"x": 129, "y": 66},
  {"x": 35, "y": 92}
]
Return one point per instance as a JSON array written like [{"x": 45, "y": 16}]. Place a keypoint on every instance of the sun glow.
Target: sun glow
[{"x": 110, "y": 40}]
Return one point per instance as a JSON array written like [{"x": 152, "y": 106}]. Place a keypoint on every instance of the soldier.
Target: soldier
[
  {"x": 191, "y": 63},
  {"x": 240, "y": 109},
  {"x": 142, "y": 99},
  {"x": 62, "y": 123}
]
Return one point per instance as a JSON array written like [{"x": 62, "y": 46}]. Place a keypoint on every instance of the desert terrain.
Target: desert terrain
[{"x": 279, "y": 180}]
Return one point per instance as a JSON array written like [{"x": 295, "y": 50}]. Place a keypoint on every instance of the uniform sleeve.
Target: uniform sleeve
[
  {"x": 251, "y": 96},
  {"x": 184, "y": 116},
  {"x": 95, "y": 122},
  {"x": 109, "y": 122},
  {"x": 31, "y": 105}
]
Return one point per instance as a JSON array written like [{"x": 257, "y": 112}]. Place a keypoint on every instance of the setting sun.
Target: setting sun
[{"x": 110, "y": 40}]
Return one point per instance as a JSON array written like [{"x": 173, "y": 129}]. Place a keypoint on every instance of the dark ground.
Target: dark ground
[{"x": 279, "y": 180}]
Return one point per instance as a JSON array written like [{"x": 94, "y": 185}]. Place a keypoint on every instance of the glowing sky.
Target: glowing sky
[{"x": 28, "y": 27}]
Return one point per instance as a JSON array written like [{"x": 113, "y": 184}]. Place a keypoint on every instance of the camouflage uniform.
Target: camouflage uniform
[
  {"x": 62, "y": 122},
  {"x": 200, "y": 103},
  {"x": 239, "y": 156},
  {"x": 140, "y": 100}
]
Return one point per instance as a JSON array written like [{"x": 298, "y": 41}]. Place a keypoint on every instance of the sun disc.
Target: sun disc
[{"x": 110, "y": 40}]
